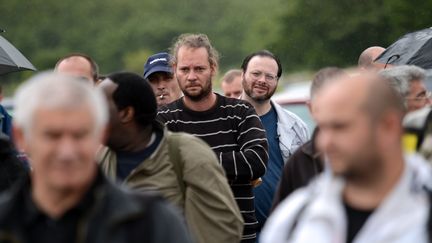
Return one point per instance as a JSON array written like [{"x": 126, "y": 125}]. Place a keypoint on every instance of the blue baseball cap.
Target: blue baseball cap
[{"x": 157, "y": 63}]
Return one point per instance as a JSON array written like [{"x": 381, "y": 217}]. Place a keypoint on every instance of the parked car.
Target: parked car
[
  {"x": 294, "y": 98},
  {"x": 8, "y": 104}
]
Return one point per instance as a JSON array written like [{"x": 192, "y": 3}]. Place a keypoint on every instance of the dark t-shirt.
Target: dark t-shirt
[
  {"x": 264, "y": 193},
  {"x": 127, "y": 161},
  {"x": 356, "y": 218}
]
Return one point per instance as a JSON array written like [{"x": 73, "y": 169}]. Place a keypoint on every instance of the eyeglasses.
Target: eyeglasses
[
  {"x": 268, "y": 77},
  {"x": 422, "y": 96}
]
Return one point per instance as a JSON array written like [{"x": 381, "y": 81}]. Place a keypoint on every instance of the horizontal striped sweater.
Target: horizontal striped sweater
[{"x": 235, "y": 133}]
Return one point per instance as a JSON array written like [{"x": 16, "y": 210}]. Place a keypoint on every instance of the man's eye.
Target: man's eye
[
  {"x": 52, "y": 135},
  {"x": 256, "y": 74}
]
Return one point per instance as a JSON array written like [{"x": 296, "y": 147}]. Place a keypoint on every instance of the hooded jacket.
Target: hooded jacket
[{"x": 316, "y": 213}]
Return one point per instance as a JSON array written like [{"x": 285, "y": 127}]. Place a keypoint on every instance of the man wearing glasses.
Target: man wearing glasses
[
  {"x": 409, "y": 82},
  {"x": 285, "y": 131}
]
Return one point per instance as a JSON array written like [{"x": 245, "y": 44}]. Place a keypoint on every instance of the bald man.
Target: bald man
[
  {"x": 78, "y": 65},
  {"x": 367, "y": 57},
  {"x": 371, "y": 187},
  {"x": 232, "y": 83}
]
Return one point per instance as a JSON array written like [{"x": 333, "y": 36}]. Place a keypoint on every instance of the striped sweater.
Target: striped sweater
[{"x": 235, "y": 133}]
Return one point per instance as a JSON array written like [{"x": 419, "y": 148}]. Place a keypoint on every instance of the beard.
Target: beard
[
  {"x": 205, "y": 91},
  {"x": 257, "y": 98}
]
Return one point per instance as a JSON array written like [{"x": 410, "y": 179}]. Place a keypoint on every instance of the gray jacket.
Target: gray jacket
[{"x": 292, "y": 131}]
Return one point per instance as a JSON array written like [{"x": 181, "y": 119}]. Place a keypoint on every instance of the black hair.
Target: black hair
[
  {"x": 136, "y": 92},
  {"x": 262, "y": 53}
]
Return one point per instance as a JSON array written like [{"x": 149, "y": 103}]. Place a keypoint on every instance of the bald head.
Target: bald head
[
  {"x": 368, "y": 92},
  {"x": 367, "y": 57},
  {"x": 78, "y": 65},
  {"x": 360, "y": 122}
]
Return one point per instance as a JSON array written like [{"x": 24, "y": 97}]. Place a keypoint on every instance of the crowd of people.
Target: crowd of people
[{"x": 161, "y": 157}]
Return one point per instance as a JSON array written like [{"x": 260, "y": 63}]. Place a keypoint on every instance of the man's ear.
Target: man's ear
[
  {"x": 19, "y": 138},
  {"x": 127, "y": 114},
  {"x": 174, "y": 68},
  {"x": 104, "y": 135},
  {"x": 213, "y": 68},
  {"x": 309, "y": 106}
]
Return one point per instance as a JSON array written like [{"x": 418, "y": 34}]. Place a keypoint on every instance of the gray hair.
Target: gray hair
[
  {"x": 400, "y": 77},
  {"x": 195, "y": 41},
  {"x": 57, "y": 91}
]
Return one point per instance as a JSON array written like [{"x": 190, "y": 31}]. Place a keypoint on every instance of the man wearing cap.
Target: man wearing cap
[{"x": 159, "y": 73}]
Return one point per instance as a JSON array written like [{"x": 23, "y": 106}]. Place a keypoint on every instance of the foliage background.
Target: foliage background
[{"x": 121, "y": 34}]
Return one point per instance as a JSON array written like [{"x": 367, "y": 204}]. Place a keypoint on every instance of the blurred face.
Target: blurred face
[
  {"x": 76, "y": 66},
  {"x": 346, "y": 136},
  {"x": 418, "y": 96},
  {"x": 62, "y": 144},
  {"x": 115, "y": 127},
  {"x": 233, "y": 89},
  {"x": 194, "y": 72},
  {"x": 165, "y": 87},
  {"x": 260, "y": 79}
]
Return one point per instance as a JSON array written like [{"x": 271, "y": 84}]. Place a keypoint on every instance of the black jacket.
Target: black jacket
[
  {"x": 298, "y": 171},
  {"x": 11, "y": 168},
  {"x": 113, "y": 216}
]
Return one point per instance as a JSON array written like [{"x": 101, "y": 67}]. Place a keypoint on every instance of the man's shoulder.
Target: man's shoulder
[
  {"x": 286, "y": 113},
  {"x": 290, "y": 119},
  {"x": 175, "y": 105},
  {"x": 234, "y": 103},
  {"x": 185, "y": 143}
]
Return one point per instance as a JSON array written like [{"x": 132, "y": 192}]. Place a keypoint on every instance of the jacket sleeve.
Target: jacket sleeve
[
  {"x": 249, "y": 163},
  {"x": 210, "y": 209},
  {"x": 167, "y": 225}
]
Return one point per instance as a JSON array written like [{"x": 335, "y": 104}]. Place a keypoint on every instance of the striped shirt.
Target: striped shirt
[{"x": 235, "y": 133}]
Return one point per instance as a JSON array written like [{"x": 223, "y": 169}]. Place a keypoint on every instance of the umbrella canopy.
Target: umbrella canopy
[
  {"x": 411, "y": 49},
  {"x": 11, "y": 60}
]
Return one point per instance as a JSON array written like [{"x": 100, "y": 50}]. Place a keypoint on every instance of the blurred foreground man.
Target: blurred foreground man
[
  {"x": 142, "y": 154},
  {"x": 60, "y": 123},
  {"x": 285, "y": 131},
  {"x": 374, "y": 193},
  {"x": 160, "y": 75},
  {"x": 231, "y": 127},
  {"x": 306, "y": 162}
]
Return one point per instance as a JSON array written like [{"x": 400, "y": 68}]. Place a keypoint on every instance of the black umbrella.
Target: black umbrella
[
  {"x": 11, "y": 60},
  {"x": 413, "y": 48}
]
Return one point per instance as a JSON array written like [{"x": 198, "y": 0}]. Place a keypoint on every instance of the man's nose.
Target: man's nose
[
  {"x": 67, "y": 148},
  {"x": 192, "y": 75}
]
